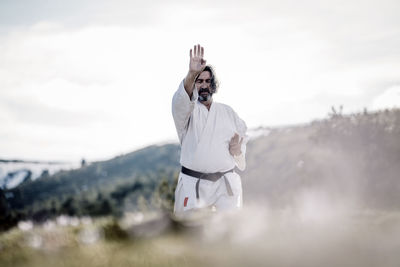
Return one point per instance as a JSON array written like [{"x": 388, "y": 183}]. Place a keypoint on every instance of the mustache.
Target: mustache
[{"x": 204, "y": 90}]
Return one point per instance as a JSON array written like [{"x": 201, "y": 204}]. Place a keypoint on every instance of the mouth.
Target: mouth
[{"x": 204, "y": 92}]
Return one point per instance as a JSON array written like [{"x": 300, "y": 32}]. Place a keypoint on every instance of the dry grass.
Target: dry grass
[{"x": 255, "y": 237}]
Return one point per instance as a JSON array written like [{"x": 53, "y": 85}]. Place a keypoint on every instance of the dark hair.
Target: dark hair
[{"x": 214, "y": 81}]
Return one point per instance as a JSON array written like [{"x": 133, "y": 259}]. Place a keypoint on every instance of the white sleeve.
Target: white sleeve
[
  {"x": 182, "y": 108},
  {"x": 241, "y": 130},
  {"x": 240, "y": 161}
]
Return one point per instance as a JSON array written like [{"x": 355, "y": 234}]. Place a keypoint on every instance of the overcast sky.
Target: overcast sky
[{"x": 95, "y": 79}]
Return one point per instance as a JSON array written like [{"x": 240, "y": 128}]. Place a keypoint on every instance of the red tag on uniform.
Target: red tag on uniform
[{"x": 185, "y": 201}]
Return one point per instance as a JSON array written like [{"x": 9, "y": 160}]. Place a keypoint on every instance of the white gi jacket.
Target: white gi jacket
[{"x": 205, "y": 134}]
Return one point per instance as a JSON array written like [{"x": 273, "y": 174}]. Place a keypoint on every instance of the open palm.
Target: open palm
[{"x": 197, "y": 63}]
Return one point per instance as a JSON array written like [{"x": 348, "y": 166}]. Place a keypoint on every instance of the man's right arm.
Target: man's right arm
[
  {"x": 184, "y": 99},
  {"x": 189, "y": 83},
  {"x": 196, "y": 65},
  {"x": 182, "y": 107}
]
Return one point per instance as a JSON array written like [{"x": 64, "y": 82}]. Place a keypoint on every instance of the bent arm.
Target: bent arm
[
  {"x": 196, "y": 66},
  {"x": 182, "y": 107},
  {"x": 185, "y": 98},
  {"x": 189, "y": 83},
  {"x": 241, "y": 129},
  {"x": 240, "y": 161}
]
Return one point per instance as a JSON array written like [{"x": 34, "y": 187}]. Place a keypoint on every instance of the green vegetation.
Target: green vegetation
[
  {"x": 322, "y": 194},
  {"x": 254, "y": 238},
  {"x": 352, "y": 158},
  {"x": 144, "y": 179}
]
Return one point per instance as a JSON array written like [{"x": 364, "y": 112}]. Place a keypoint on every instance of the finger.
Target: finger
[
  {"x": 195, "y": 51},
  {"x": 190, "y": 53},
  {"x": 236, "y": 138},
  {"x": 198, "y": 50},
  {"x": 202, "y": 52},
  {"x": 232, "y": 142},
  {"x": 235, "y": 146}
]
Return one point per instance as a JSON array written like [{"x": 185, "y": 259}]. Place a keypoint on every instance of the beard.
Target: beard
[{"x": 204, "y": 98}]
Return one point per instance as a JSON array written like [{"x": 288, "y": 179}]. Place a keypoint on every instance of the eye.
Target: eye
[
  {"x": 208, "y": 81},
  {"x": 199, "y": 81}
]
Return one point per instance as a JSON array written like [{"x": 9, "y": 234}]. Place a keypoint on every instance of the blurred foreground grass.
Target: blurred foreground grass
[{"x": 253, "y": 237}]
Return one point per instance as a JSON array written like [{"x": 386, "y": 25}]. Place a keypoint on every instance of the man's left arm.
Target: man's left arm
[
  {"x": 237, "y": 145},
  {"x": 237, "y": 148}
]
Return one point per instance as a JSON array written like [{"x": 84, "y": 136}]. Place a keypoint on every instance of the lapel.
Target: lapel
[{"x": 210, "y": 122}]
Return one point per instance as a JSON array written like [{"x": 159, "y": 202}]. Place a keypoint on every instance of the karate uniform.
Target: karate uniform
[{"x": 204, "y": 136}]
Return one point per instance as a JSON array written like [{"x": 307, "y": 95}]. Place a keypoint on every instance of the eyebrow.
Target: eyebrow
[{"x": 201, "y": 80}]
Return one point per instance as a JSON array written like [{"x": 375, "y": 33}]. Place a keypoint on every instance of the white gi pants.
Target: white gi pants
[{"x": 210, "y": 194}]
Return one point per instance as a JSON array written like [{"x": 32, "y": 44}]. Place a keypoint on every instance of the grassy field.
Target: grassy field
[{"x": 253, "y": 237}]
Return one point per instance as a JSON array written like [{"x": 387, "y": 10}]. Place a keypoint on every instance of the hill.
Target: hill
[
  {"x": 351, "y": 160},
  {"x": 15, "y": 172},
  {"x": 97, "y": 189},
  {"x": 342, "y": 160}
]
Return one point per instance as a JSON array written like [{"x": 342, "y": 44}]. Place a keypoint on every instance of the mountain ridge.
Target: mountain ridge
[{"x": 349, "y": 159}]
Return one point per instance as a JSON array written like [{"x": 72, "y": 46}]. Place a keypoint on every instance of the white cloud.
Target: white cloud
[
  {"x": 390, "y": 98},
  {"x": 104, "y": 86}
]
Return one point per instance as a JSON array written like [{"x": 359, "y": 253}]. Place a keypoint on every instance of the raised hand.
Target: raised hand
[
  {"x": 197, "y": 63},
  {"x": 235, "y": 145}
]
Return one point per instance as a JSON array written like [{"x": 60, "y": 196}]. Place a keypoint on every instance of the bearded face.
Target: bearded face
[{"x": 203, "y": 86}]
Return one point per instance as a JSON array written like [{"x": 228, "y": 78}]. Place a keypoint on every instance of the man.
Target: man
[{"x": 213, "y": 141}]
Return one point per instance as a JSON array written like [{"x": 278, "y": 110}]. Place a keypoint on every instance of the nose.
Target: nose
[{"x": 205, "y": 84}]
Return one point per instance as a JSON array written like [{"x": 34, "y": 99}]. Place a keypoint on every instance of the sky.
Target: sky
[{"x": 95, "y": 79}]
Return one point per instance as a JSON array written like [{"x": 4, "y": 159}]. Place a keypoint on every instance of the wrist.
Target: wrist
[
  {"x": 236, "y": 153},
  {"x": 192, "y": 74}
]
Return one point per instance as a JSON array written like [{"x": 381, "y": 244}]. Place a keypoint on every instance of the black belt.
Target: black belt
[{"x": 208, "y": 176}]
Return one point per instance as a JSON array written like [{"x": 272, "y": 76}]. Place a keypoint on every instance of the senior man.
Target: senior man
[{"x": 213, "y": 142}]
